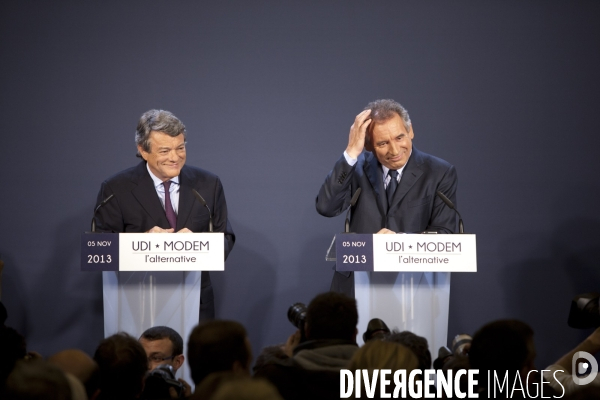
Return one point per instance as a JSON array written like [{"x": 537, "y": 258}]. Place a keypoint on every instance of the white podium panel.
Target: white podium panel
[
  {"x": 405, "y": 279},
  {"x": 152, "y": 279},
  {"x": 407, "y": 301},
  {"x": 136, "y": 301}
]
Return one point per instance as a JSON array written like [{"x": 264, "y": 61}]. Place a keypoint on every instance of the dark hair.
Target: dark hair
[
  {"x": 159, "y": 121},
  {"x": 123, "y": 364},
  {"x": 215, "y": 346},
  {"x": 162, "y": 332},
  {"x": 331, "y": 315},
  {"x": 501, "y": 346},
  {"x": 417, "y": 344},
  {"x": 12, "y": 348},
  {"x": 3, "y": 312},
  {"x": 382, "y": 110},
  {"x": 378, "y": 354}
]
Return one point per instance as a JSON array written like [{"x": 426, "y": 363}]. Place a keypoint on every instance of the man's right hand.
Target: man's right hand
[
  {"x": 356, "y": 139},
  {"x": 158, "y": 229},
  {"x": 290, "y": 345}
]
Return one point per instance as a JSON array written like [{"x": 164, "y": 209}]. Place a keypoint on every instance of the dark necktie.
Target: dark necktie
[
  {"x": 171, "y": 216},
  {"x": 392, "y": 185}
]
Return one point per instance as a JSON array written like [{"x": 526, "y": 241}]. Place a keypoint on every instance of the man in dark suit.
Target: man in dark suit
[
  {"x": 156, "y": 195},
  {"x": 398, "y": 182}
]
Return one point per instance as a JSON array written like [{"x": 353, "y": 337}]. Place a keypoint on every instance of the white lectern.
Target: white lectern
[
  {"x": 405, "y": 279},
  {"x": 152, "y": 279}
]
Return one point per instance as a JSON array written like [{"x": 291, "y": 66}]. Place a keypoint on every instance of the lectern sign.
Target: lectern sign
[
  {"x": 410, "y": 252},
  {"x": 100, "y": 252},
  {"x": 354, "y": 252},
  {"x": 152, "y": 252}
]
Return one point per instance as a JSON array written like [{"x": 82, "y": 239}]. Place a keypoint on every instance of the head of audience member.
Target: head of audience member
[
  {"x": 36, "y": 379},
  {"x": 331, "y": 315},
  {"x": 503, "y": 346},
  {"x": 81, "y": 366},
  {"x": 456, "y": 363},
  {"x": 160, "y": 139},
  {"x": 12, "y": 349},
  {"x": 123, "y": 365},
  {"x": 389, "y": 135},
  {"x": 163, "y": 345},
  {"x": 379, "y": 354},
  {"x": 216, "y": 346},
  {"x": 232, "y": 385},
  {"x": 246, "y": 388},
  {"x": 77, "y": 389},
  {"x": 3, "y": 314},
  {"x": 417, "y": 344}
]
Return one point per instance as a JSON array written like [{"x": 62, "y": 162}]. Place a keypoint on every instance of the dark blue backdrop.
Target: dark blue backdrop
[{"x": 506, "y": 91}]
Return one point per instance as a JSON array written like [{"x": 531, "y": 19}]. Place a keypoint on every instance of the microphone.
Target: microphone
[
  {"x": 461, "y": 228},
  {"x": 106, "y": 200},
  {"x": 203, "y": 202},
  {"x": 352, "y": 203}
]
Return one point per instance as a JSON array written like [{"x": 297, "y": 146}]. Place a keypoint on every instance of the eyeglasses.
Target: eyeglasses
[{"x": 157, "y": 358}]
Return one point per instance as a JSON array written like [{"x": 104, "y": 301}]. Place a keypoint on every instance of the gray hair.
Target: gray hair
[
  {"x": 159, "y": 121},
  {"x": 384, "y": 109}
]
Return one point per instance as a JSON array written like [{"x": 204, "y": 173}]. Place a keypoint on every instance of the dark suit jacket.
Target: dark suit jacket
[
  {"x": 137, "y": 208},
  {"x": 415, "y": 206}
]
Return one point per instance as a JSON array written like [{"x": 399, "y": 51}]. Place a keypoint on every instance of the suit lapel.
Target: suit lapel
[
  {"x": 186, "y": 199},
  {"x": 411, "y": 174},
  {"x": 373, "y": 171},
  {"x": 145, "y": 194}
]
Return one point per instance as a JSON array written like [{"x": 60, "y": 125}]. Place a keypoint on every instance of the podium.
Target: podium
[
  {"x": 152, "y": 279},
  {"x": 404, "y": 279}
]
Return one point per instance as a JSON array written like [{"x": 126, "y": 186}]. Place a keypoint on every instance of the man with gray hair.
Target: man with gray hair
[
  {"x": 157, "y": 194},
  {"x": 398, "y": 182}
]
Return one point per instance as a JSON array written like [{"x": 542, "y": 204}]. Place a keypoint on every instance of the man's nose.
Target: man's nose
[
  {"x": 394, "y": 148},
  {"x": 173, "y": 156}
]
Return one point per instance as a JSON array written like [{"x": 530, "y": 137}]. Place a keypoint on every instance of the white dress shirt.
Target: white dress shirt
[{"x": 160, "y": 190}]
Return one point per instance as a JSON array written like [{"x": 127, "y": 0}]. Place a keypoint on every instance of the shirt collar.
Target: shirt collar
[{"x": 157, "y": 181}]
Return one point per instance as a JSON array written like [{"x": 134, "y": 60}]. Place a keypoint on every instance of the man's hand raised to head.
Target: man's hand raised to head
[
  {"x": 158, "y": 229},
  {"x": 356, "y": 139}
]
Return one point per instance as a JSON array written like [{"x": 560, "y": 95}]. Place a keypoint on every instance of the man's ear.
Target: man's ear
[
  {"x": 142, "y": 152},
  {"x": 411, "y": 133},
  {"x": 178, "y": 361}
]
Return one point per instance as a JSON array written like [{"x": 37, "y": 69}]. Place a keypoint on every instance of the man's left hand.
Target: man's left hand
[
  {"x": 185, "y": 230},
  {"x": 187, "y": 390},
  {"x": 386, "y": 231}
]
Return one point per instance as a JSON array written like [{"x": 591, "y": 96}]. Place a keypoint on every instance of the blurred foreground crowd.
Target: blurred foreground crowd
[{"x": 306, "y": 366}]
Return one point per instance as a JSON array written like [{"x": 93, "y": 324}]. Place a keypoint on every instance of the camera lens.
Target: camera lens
[{"x": 297, "y": 315}]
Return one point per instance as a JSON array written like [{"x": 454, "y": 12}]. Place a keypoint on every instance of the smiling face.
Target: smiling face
[
  {"x": 392, "y": 142},
  {"x": 166, "y": 156}
]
